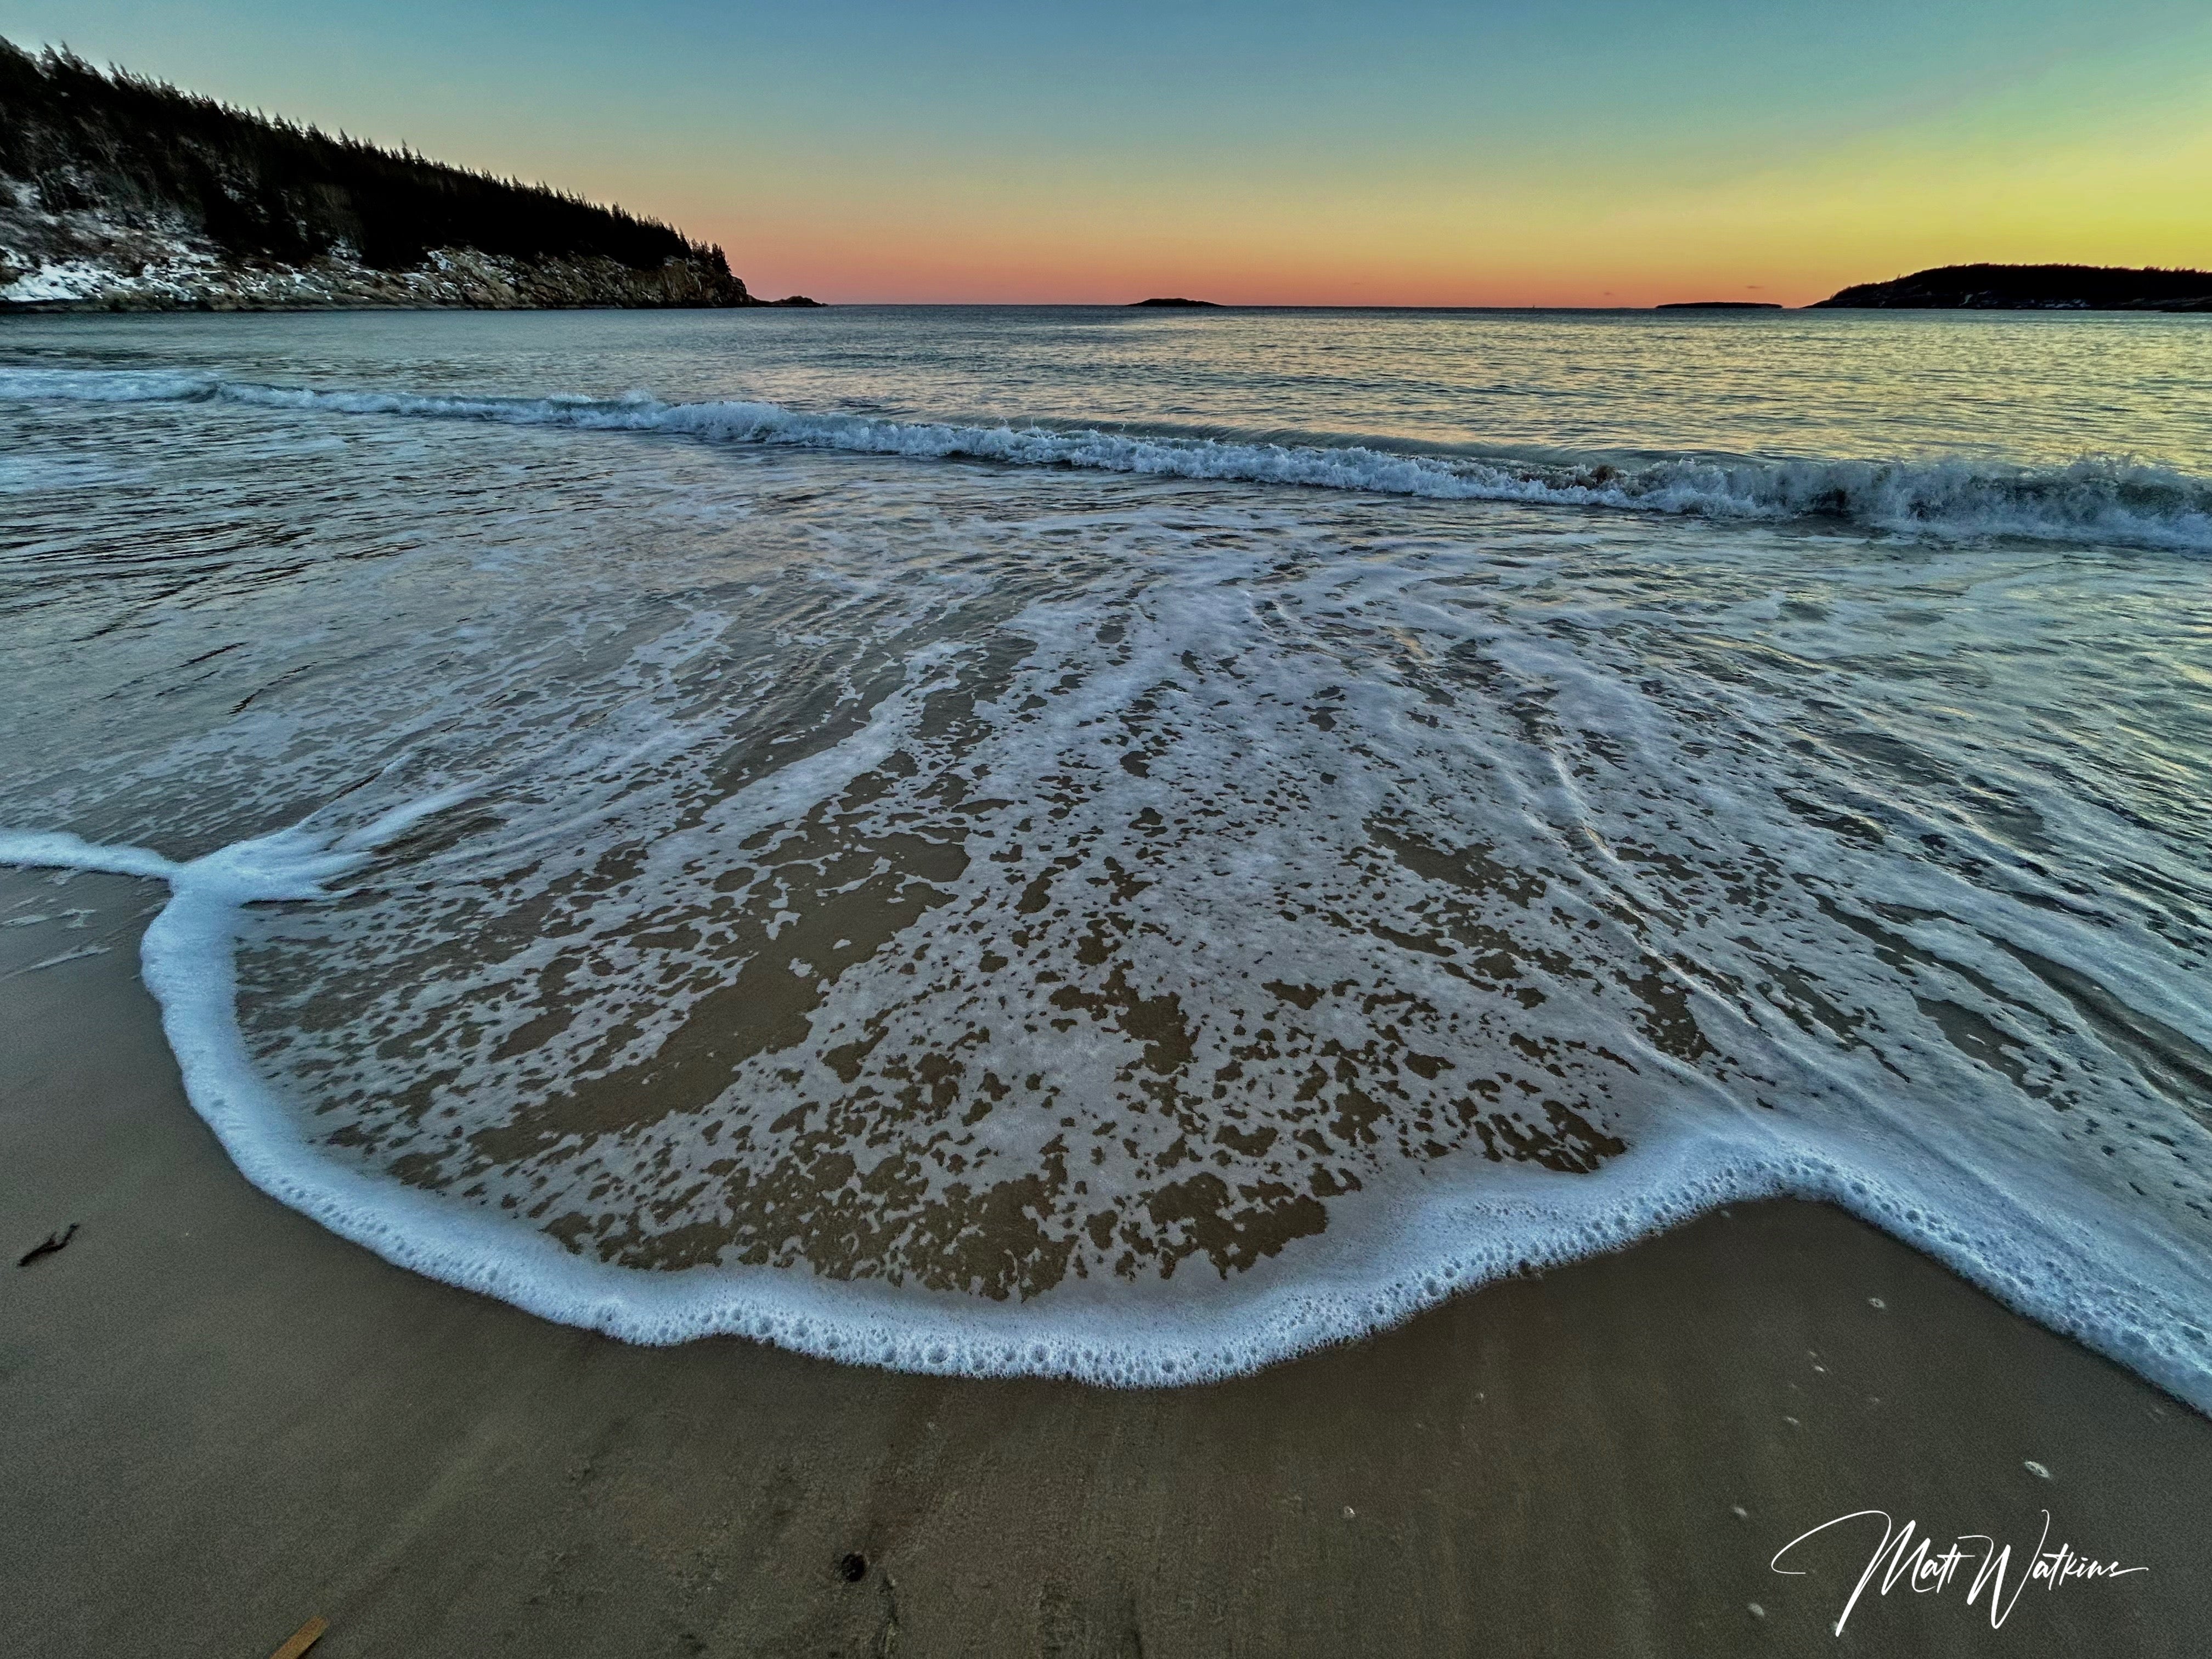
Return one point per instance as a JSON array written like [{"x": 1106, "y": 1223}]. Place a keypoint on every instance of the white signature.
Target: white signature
[{"x": 1923, "y": 1568}]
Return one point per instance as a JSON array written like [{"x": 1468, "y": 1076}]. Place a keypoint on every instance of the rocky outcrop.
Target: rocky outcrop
[
  {"x": 144, "y": 272},
  {"x": 2032, "y": 288}
]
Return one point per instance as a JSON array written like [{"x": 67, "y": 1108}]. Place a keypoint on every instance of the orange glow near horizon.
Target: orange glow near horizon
[
  {"x": 1598, "y": 153},
  {"x": 1790, "y": 234}
]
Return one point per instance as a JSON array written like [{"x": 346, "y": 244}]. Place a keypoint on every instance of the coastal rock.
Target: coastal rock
[{"x": 180, "y": 277}]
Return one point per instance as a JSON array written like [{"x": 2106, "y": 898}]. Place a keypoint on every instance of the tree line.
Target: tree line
[{"x": 145, "y": 153}]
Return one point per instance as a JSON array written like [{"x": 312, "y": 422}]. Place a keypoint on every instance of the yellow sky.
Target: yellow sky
[{"x": 1411, "y": 152}]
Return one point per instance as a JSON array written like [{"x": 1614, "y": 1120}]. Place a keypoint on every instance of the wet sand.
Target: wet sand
[{"x": 217, "y": 1419}]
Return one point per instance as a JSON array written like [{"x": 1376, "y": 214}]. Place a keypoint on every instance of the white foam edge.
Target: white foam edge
[
  {"x": 2060, "y": 1269},
  {"x": 2085, "y": 500}
]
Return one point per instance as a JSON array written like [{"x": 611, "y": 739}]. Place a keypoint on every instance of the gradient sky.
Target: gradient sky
[{"x": 1566, "y": 152}]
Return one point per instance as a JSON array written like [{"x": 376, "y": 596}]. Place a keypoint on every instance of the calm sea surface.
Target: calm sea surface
[{"x": 1130, "y": 844}]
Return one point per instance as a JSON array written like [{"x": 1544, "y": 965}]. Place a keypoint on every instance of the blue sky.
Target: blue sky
[{"x": 1576, "y": 152}]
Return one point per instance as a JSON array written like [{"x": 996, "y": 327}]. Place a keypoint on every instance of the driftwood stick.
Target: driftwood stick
[{"x": 55, "y": 1243}]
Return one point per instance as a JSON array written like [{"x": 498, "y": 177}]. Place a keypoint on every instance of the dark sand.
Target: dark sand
[{"x": 217, "y": 1419}]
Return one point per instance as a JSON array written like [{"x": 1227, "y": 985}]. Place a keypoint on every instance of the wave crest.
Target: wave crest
[{"x": 2109, "y": 499}]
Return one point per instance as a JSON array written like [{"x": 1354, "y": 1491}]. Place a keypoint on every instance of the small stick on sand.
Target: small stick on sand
[
  {"x": 55, "y": 1241},
  {"x": 302, "y": 1638}
]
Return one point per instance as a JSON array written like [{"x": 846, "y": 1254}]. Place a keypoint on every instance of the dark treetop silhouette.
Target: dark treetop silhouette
[
  {"x": 2034, "y": 287},
  {"x": 131, "y": 193}
]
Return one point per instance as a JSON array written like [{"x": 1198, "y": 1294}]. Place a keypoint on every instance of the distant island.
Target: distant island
[
  {"x": 120, "y": 193},
  {"x": 2032, "y": 288},
  {"x": 1205, "y": 305},
  {"x": 1719, "y": 305}
]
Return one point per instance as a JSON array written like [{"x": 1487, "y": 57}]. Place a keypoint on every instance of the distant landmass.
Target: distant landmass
[
  {"x": 119, "y": 193},
  {"x": 1208, "y": 305},
  {"x": 2034, "y": 287},
  {"x": 1719, "y": 305}
]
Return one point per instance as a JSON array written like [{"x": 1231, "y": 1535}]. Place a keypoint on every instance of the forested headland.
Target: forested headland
[{"x": 119, "y": 192}]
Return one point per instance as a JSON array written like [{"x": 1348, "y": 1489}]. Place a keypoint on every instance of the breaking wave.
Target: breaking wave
[{"x": 2107, "y": 499}]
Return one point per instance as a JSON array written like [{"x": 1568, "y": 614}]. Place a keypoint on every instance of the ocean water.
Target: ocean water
[{"x": 1130, "y": 845}]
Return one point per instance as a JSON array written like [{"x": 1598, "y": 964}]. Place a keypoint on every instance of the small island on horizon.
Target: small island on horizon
[{"x": 1195, "y": 305}]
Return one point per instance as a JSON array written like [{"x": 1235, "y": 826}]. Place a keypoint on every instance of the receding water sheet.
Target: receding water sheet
[{"x": 686, "y": 862}]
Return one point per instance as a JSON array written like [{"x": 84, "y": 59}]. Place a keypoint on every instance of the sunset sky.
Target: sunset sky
[{"x": 1581, "y": 152}]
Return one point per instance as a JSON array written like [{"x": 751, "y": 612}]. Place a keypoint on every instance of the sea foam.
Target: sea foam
[
  {"x": 1110, "y": 800},
  {"x": 2068, "y": 1256},
  {"x": 2072, "y": 1271},
  {"x": 2106, "y": 500}
]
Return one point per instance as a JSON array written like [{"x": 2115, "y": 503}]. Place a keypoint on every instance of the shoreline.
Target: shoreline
[
  {"x": 95, "y": 308},
  {"x": 1152, "y": 1334},
  {"x": 222, "y": 1419},
  {"x": 1672, "y": 311}
]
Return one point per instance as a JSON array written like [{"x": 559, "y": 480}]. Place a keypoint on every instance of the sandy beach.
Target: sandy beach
[
  {"x": 220, "y": 1420},
  {"x": 1392, "y": 841}
]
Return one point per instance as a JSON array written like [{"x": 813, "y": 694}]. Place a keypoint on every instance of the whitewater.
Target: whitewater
[
  {"x": 2104, "y": 498},
  {"x": 1131, "y": 846}
]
